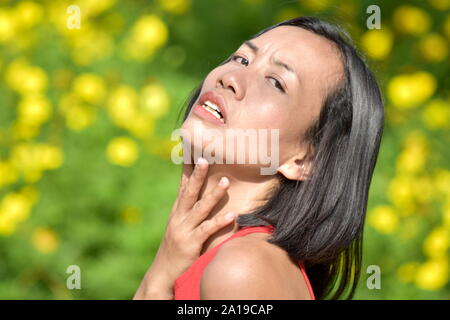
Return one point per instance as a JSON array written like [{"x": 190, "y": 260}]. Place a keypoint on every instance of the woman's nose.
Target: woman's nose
[{"x": 230, "y": 81}]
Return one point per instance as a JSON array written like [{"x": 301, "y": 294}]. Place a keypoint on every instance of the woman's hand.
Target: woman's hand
[{"x": 185, "y": 233}]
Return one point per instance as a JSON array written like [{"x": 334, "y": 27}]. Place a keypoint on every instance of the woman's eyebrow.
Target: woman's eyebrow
[{"x": 254, "y": 48}]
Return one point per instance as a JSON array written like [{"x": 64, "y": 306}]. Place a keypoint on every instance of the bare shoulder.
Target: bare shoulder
[{"x": 251, "y": 268}]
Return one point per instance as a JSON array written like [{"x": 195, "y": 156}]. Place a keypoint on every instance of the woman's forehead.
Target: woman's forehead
[
  {"x": 295, "y": 42},
  {"x": 309, "y": 53}
]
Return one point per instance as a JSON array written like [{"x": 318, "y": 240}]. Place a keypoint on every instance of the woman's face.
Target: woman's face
[{"x": 260, "y": 94}]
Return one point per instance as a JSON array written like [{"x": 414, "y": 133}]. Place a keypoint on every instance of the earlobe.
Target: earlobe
[{"x": 294, "y": 170}]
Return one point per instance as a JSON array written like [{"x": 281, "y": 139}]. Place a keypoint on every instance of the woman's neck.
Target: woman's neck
[{"x": 247, "y": 191}]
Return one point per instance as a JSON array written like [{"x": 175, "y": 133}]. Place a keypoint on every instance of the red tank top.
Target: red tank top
[{"x": 187, "y": 285}]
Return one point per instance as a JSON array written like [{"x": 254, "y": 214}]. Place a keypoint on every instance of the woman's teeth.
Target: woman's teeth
[{"x": 211, "y": 107}]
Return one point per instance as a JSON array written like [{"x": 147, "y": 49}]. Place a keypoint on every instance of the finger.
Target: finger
[
  {"x": 188, "y": 168},
  {"x": 192, "y": 189},
  {"x": 209, "y": 227},
  {"x": 203, "y": 207}
]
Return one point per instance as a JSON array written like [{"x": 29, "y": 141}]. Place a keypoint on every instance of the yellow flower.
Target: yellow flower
[
  {"x": 122, "y": 151},
  {"x": 131, "y": 215},
  {"x": 31, "y": 193},
  {"x": 32, "y": 175},
  {"x": 55, "y": 12},
  {"x": 437, "y": 243},
  {"x": 148, "y": 34},
  {"x": 35, "y": 81},
  {"x": 141, "y": 125},
  {"x": 94, "y": 8},
  {"x": 45, "y": 240},
  {"x": 34, "y": 109},
  {"x": 384, "y": 219},
  {"x": 377, "y": 43},
  {"x": 78, "y": 117},
  {"x": 436, "y": 114},
  {"x": 136, "y": 51},
  {"x": 411, "y": 160},
  {"x": 401, "y": 192},
  {"x": 155, "y": 100},
  {"x": 32, "y": 158},
  {"x": 66, "y": 102},
  {"x": 433, "y": 47},
  {"x": 28, "y": 14},
  {"x": 433, "y": 274},
  {"x": 90, "y": 88},
  {"x": 6, "y": 227},
  {"x": 150, "y": 30},
  {"x": 24, "y": 156},
  {"x": 51, "y": 157},
  {"x": 409, "y": 90},
  {"x": 441, "y": 182},
  {"x": 91, "y": 45},
  {"x": 440, "y": 4},
  {"x": 15, "y": 207},
  {"x": 24, "y": 78},
  {"x": 7, "y": 26},
  {"x": 24, "y": 130},
  {"x": 413, "y": 157},
  {"x": 412, "y": 20},
  {"x": 8, "y": 174},
  {"x": 15, "y": 72},
  {"x": 424, "y": 189},
  {"x": 175, "y": 6},
  {"x": 122, "y": 105},
  {"x": 407, "y": 271}
]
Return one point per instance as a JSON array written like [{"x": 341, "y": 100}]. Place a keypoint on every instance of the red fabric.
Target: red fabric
[{"x": 187, "y": 285}]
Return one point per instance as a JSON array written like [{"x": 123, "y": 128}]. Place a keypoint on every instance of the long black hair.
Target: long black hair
[{"x": 320, "y": 221}]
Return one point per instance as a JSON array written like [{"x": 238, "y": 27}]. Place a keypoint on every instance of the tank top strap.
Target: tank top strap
[
  {"x": 252, "y": 229},
  {"x": 301, "y": 264},
  {"x": 240, "y": 233}
]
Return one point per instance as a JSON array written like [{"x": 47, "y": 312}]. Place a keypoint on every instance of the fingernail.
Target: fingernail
[
  {"x": 229, "y": 216},
  {"x": 202, "y": 161},
  {"x": 223, "y": 181}
]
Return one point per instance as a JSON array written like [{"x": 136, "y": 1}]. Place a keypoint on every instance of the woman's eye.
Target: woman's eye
[
  {"x": 235, "y": 56},
  {"x": 277, "y": 83}
]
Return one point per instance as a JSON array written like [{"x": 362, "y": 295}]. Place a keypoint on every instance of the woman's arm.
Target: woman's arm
[
  {"x": 185, "y": 233},
  {"x": 155, "y": 286}
]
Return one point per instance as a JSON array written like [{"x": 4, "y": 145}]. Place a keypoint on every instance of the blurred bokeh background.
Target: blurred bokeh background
[{"x": 86, "y": 117}]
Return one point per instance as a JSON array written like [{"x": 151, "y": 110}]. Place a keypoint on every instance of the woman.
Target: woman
[{"x": 298, "y": 233}]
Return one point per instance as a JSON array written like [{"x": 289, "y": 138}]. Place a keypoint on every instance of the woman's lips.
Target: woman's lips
[
  {"x": 215, "y": 98},
  {"x": 204, "y": 114}
]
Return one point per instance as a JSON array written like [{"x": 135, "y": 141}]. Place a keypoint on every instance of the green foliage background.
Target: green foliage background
[{"x": 67, "y": 200}]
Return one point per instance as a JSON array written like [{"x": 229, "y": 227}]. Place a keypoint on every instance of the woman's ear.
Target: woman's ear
[{"x": 296, "y": 169}]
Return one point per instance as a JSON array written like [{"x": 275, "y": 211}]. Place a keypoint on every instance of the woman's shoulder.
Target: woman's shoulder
[{"x": 249, "y": 267}]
